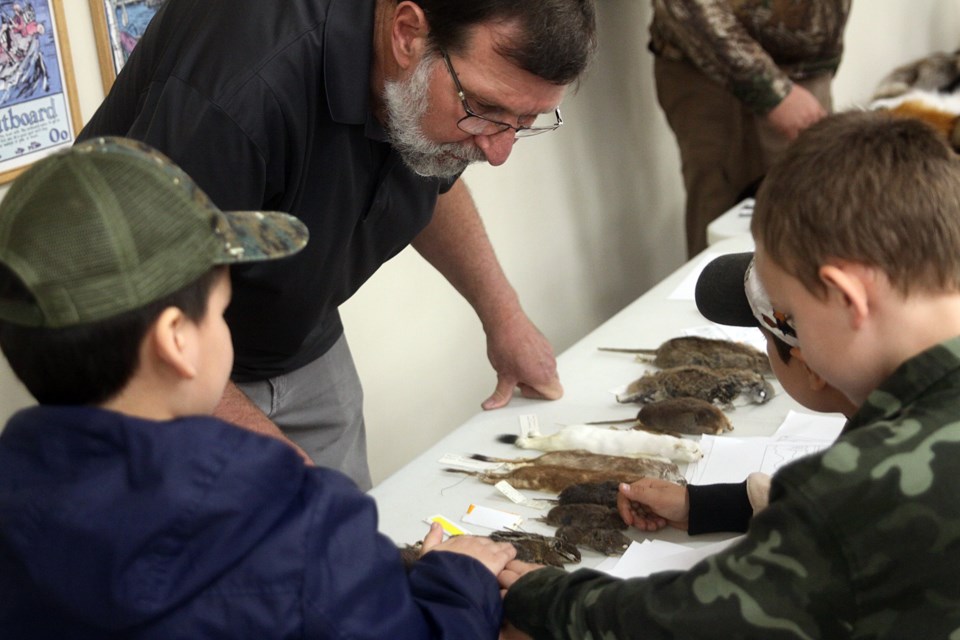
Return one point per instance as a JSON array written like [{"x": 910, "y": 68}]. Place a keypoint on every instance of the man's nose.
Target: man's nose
[{"x": 497, "y": 147}]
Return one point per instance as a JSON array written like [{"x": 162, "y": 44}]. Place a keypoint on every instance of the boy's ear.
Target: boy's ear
[
  {"x": 408, "y": 33},
  {"x": 847, "y": 282},
  {"x": 170, "y": 340}
]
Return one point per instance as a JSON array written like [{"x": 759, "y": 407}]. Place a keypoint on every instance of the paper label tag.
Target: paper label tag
[
  {"x": 457, "y": 460},
  {"x": 491, "y": 518},
  {"x": 516, "y": 497},
  {"x": 529, "y": 426},
  {"x": 449, "y": 527}
]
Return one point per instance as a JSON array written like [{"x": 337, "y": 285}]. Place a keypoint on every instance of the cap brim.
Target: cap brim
[
  {"x": 720, "y": 293},
  {"x": 251, "y": 236}
]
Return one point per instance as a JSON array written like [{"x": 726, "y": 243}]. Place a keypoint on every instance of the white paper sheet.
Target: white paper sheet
[
  {"x": 643, "y": 558},
  {"x": 729, "y": 459}
]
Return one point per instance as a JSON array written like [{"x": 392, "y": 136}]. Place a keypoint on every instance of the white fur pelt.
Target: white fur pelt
[{"x": 614, "y": 442}]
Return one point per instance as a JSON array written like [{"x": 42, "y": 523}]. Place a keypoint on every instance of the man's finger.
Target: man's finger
[
  {"x": 501, "y": 395},
  {"x": 552, "y": 390}
]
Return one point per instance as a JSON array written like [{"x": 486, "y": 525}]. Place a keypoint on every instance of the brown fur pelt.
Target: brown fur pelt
[{"x": 938, "y": 73}]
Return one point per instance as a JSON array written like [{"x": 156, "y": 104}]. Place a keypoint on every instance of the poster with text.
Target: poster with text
[{"x": 38, "y": 102}]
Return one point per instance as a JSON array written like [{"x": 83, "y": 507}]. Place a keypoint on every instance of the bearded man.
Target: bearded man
[{"x": 358, "y": 117}]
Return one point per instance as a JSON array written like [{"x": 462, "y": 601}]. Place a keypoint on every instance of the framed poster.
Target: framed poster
[
  {"x": 39, "y": 113},
  {"x": 118, "y": 25}
]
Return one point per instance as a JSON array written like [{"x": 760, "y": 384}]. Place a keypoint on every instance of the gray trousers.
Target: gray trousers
[{"x": 320, "y": 408}]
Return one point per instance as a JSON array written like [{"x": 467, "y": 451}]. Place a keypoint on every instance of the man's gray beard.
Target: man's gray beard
[{"x": 407, "y": 103}]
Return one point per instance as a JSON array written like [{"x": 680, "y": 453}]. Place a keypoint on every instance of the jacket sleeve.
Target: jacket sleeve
[
  {"x": 355, "y": 584},
  {"x": 786, "y": 579},
  {"x": 709, "y": 35}
]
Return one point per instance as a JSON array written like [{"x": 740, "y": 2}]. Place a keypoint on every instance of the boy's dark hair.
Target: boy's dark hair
[
  {"x": 555, "y": 41},
  {"x": 90, "y": 363}
]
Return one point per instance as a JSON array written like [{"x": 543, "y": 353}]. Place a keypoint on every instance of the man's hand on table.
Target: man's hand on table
[{"x": 522, "y": 357}]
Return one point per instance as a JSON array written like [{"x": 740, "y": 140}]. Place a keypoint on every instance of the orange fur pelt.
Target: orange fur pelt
[
  {"x": 945, "y": 122},
  {"x": 927, "y": 89}
]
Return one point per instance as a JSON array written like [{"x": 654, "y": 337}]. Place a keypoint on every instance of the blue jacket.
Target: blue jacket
[{"x": 116, "y": 527}]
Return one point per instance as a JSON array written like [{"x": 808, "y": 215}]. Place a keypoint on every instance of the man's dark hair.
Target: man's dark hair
[
  {"x": 88, "y": 363},
  {"x": 555, "y": 41}
]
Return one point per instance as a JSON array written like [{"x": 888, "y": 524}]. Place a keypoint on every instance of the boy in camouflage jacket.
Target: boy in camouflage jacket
[{"x": 858, "y": 246}]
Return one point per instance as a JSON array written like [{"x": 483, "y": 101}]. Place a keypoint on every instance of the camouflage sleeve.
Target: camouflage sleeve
[
  {"x": 709, "y": 35},
  {"x": 754, "y": 48},
  {"x": 786, "y": 579}
]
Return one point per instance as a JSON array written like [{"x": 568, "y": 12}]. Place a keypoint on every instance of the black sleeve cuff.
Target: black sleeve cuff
[{"x": 719, "y": 507}]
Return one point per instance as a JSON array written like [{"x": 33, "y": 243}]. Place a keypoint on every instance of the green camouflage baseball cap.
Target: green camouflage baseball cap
[{"x": 110, "y": 225}]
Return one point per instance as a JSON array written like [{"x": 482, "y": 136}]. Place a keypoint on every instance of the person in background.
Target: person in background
[
  {"x": 737, "y": 81},
  {"x": 126, "y": 511},
  {"x": 729, "y": 292},
  {"x": 857, "y": 232},
  {"x": 358, "y": 118}
]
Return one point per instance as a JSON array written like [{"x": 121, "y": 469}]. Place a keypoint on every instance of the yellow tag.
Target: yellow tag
[{"x": 448, "y": 527}]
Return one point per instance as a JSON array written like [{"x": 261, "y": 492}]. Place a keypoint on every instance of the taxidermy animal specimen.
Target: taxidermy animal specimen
[
  {"x": 533, "y": 547},
  {"x": 587, "y": 516},
  {"x": 719, "y": 386},
  {"x": 548, "y": 478},
  {"x": 611, "y": 442},
  {"x": 705, "y": 352},
  {"x": 678, "y": 416},
  {"x": 578, "y": 459},
  {"x": 607, "y": 541}
]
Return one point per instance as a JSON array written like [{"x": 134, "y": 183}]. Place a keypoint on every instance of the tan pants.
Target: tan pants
[{"x": 724, "y": 147}]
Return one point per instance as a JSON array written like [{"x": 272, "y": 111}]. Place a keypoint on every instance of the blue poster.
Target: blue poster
[{"x": 34, "y": 111}]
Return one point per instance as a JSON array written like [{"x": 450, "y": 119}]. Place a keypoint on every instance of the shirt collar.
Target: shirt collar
[{"x": 347, "y": 60}]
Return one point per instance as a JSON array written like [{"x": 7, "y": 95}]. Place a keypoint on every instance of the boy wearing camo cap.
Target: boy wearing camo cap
[
  {"x": 125, "y": 509},
  {"x": 857, "y": 231}
]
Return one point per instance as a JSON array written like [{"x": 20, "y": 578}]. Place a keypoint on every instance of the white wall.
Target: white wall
[{"x": 583, "y": 220}]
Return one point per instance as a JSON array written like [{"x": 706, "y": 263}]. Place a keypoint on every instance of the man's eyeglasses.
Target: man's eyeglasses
[{"x": 487, "y": 123}]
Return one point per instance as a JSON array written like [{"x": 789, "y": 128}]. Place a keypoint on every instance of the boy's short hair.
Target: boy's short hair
[
  {"x": 90, "y": 363},
  {"x": 102, "y": 234},
  {"x": 868, "y": 187}
]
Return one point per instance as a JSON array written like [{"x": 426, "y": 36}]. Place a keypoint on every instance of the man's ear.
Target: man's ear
[
  {"x": 170, "y": 339},
  {"x": 408, "y": 34},
  {"x": 848, "y": 283}
]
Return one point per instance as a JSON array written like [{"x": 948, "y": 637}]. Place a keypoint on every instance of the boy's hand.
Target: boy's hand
[
  {"x": 493, "y": 555},
  {"x": 651, "y": 504},
  {"x": 515, "y": 570}
]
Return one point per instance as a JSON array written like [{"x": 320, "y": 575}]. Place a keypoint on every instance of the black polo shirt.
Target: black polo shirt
[{"x": 266, "y": 104}]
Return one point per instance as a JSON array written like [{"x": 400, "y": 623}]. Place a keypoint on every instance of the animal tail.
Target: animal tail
[
  {"x": 646, "y": 352},
  {"x": 630, "y": 421},
  {"x": 508, "y": 438},
  {"x": 483, "y": 458},
  {"x": 463, "y": 471}
]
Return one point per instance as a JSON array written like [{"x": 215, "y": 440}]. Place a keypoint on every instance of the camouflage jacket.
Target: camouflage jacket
[
  {"x": 859, "y": 541},
  {"x": 752, "y": 47}
]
